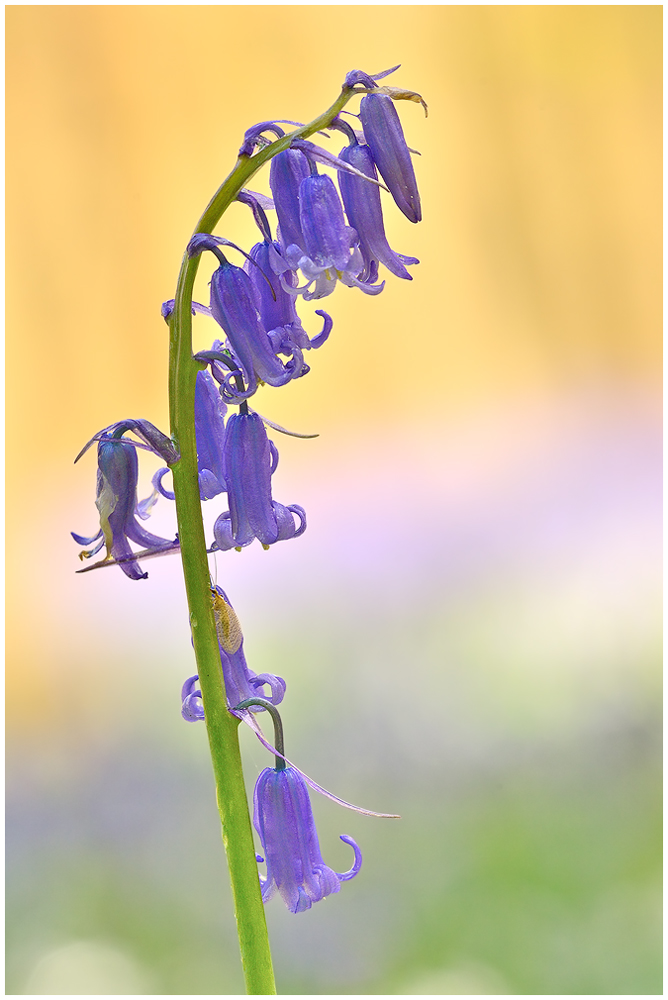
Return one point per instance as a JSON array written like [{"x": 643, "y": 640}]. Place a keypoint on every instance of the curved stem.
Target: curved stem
[
  {"x": 221, "y": 725},
  {"x": 278, "y": 727}
]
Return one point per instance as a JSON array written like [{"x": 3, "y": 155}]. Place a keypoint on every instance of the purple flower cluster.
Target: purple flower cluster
[
  {"x": 324, "y": 234},
  {"x": 326, "y": 231}
]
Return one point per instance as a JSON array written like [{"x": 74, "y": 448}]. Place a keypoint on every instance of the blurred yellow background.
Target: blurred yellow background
[{"x": 469, "y": 628}]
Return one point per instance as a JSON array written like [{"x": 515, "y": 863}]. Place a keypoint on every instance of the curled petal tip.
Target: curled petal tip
[
  {"x": 167, "y": 308},
  {"x": 357, "y": 863}
]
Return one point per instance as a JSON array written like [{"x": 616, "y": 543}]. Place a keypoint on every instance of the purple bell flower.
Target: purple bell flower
[
  {"x": 117, "y": 502},
  {"x": 364, "y": 211},
  {"x": 278, "y": 311},
  {"x": 288, "y": 169},
  {"x": 233, "y": 307},
  {"x": 331, "y": 250},
  {"x": 210, "y": 435},
  {"x": 384, "y": 134},
  {"x": 240, "y": 682},
  {"x": 328, "y": 240},
  {"x": 249, "y": 460},
  {"x": 284, "y": 821}
]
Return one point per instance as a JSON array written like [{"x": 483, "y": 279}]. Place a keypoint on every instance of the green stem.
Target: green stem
[{"x": 222, "y": 727}]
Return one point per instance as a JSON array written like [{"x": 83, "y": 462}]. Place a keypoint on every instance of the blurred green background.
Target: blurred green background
[{"x": 470, "y": 627}]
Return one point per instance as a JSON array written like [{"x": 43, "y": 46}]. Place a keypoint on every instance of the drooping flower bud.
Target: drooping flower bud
[{"x": 385, "y": 136}]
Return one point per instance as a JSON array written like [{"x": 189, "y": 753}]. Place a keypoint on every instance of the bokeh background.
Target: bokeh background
[{"x": 470, "y": 627}]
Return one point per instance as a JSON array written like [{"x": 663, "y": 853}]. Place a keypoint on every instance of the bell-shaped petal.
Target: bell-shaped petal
[
  {"x": 384, "y": 134},
  {"x": 248, "y": 469},
  {"x": 328, "y": 240},
  {"x": 249, "y": 459},
  {"x": 331, "y": 251},
  {"x": 210, "y": 434},
  {"x": 364, "y": 211},
  {"x": 276, "y": 305},
  {"x": 283, "y": 818},
  {"x": 288, "y": 169},
  {"x": 233, "y": 307}
]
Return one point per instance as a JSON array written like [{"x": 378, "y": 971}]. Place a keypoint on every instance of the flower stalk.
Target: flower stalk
[{"x": 222, "y": 727}]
